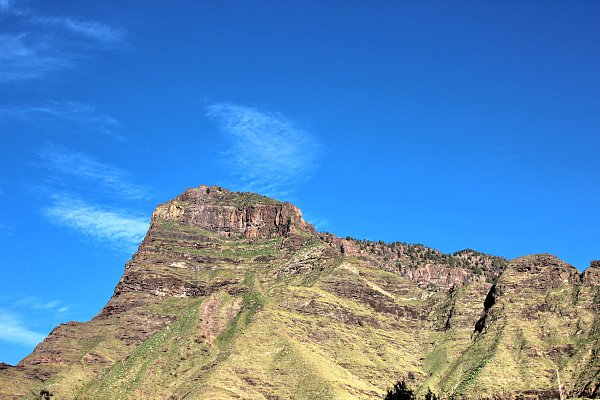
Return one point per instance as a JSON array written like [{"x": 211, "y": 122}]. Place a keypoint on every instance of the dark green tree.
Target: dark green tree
[
  {"x": 43, "y": 394},
  {"x": 400, "y": 392},
  {"x": 430, "y": 395}
]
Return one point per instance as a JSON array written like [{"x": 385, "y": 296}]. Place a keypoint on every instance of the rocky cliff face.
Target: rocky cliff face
[
  {"x": 231, "y": 215},
  {"x": 591, "y": 276},
  {"x": 234, "y": 295},
  {"x": 425, "y": 266}
]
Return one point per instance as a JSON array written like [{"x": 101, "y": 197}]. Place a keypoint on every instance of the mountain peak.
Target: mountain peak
[
  {"x": 218, "y": 195},
  {"x": 591, "y": 276},
  {"x": 540, "y": 271},
  {"x": 232, "y": 214},
  {"x": 234, "y": 295}
]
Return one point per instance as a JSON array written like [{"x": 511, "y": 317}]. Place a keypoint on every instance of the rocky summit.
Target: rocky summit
[{"x": 233, "y": 295}]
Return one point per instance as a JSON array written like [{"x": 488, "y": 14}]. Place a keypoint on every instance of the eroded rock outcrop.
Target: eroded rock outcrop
[
  {"x": 234, "y": 295},
  {"x": 423, "y": 265},
  {"x": 232, "y": 214},
  {"x": 540, "y": 272},
  {"x": 591, "y": 276}
]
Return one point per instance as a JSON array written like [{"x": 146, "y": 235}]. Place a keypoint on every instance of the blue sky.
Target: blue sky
[{"x": 453, "y": 124}]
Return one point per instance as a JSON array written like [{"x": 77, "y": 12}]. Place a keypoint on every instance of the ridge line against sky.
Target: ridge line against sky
[
  {"x": 271, "y": 156},
  {"x": 109, "y": 223},
  {"x": 464, "y": 125}
]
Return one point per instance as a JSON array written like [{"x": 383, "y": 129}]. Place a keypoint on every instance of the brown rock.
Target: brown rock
[
  {"x": 209, "y": 251},
  {"x": 591, "y": 276},
  {"x": 232, "y": 214},
  {"x": 540, "y": 271}
]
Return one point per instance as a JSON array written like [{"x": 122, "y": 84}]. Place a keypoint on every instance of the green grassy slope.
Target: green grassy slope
[{"x": 200, "y": 314}]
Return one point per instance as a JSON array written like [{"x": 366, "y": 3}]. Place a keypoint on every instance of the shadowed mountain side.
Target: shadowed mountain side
[{"x": 234, "y": 295}]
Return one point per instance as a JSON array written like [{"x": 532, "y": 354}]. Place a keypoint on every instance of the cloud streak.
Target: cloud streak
[
  {"x": 101, "y": 33},
  {"x": 21, "y": 318},
  {"x": 106, "y": 178},
  {"x": 36, "y": 303},
  {"x": 24, "y": 56},
  {"x": 69, "y": 111},
  {"x": 119, "y": 229},
  {"x": 44, "y": 44},
  {"x": 93, "y": 198},
  {"x": 12, "y": 330},
  {"x": 268, "y": 152}
]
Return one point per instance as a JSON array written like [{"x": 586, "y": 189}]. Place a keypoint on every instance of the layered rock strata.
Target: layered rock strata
[{"x": 234, "y": 295}]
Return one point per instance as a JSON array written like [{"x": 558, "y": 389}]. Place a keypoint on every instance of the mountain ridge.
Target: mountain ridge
[{"x": 221, "y": 269}]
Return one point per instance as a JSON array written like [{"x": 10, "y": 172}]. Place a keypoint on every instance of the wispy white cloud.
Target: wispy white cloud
[
  {"x": 25, "y": 56},
  {"x": 13, "y": 330},
  {"x": 45, "y": 43},
  {"x": 93, "y": 198},
  {"x": 118, "y": 228},
  {"x": 103, "y": 177},
  {"x": 35, "y": 303},
  {"x": 99, "y": 32},
  {"x": 69, "y": 111},
  {"x": 75, "y": 111},
  {"x": 50, "y": 305},
  {"x": 268, "y": 152}
]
